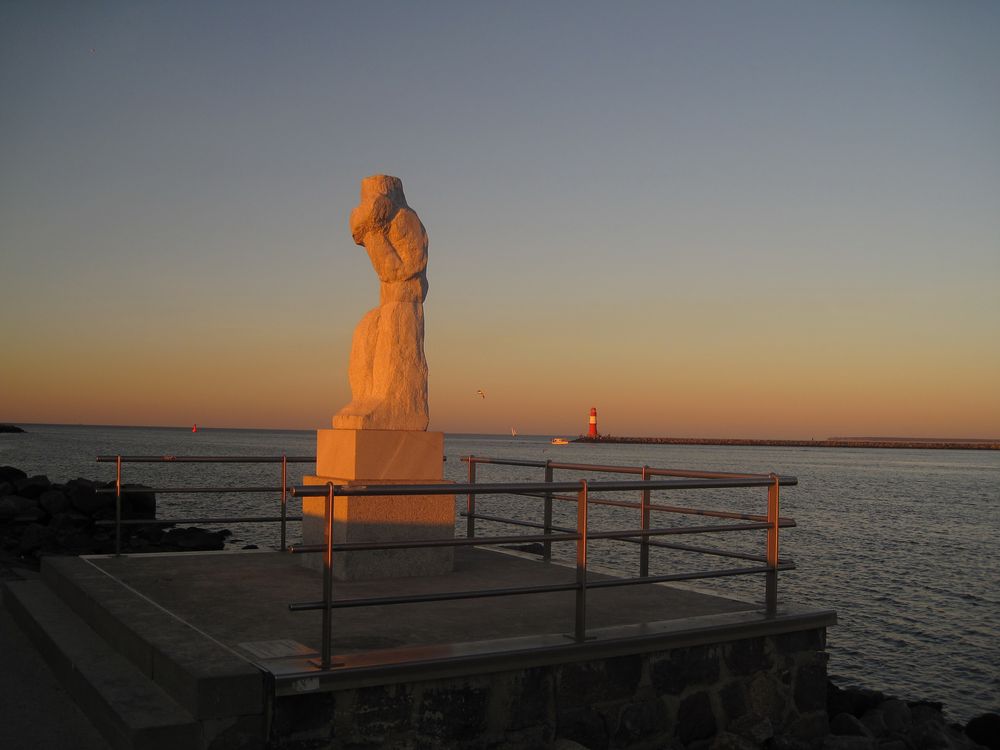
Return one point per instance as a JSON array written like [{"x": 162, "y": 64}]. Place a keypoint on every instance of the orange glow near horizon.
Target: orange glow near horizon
[{"x": 745, "y": 391}]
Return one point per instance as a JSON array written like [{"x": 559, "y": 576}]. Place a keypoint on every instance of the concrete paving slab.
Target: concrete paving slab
[{"x": 243, "y": 597}]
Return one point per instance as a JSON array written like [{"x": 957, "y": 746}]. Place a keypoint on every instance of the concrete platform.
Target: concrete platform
[{"x": 213, "y": 631}]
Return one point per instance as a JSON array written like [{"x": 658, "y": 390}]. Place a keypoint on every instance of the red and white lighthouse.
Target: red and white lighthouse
[{"x": 593, "y": 422}]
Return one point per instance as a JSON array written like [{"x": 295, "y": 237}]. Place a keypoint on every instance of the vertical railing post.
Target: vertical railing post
[
  {"x": 772, "y": 545},
  {"x": 118, "y": 505},
  {"x": 547, "y": 520},
  {"x": 327, "y": 579},
  {"x": 284, "y": 501},
  {"x": 644, "y": 525},
  {"x": 470, "y": 502},
  {"x": 581, "y": 562}
]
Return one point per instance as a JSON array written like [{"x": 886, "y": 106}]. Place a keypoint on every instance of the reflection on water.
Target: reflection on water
[{"x": 902, "y": 543}]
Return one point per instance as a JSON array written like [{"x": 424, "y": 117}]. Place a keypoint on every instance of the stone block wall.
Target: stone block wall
[{"x": 743, "y": 692}]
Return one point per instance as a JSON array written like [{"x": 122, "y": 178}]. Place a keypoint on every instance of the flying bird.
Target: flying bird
[{"x": 481, "y": 393}]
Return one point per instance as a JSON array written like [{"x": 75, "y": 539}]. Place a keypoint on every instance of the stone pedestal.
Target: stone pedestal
[{"x": 360, "y": 457}]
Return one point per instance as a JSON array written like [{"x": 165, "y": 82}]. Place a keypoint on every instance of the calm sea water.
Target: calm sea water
[{"x": 903, "y": 544}]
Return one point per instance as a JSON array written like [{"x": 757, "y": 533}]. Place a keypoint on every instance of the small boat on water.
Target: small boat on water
[
  {"x": 513, "y": 432},
  {"x": 194, "y": 427},
  {"x": 559, "y": 441}
]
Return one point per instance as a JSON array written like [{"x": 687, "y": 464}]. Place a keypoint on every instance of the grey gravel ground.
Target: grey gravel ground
[{"x": 35, "y": 711}]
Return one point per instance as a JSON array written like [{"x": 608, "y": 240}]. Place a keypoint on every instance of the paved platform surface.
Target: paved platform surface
[
  {"x": 229, "y": 608},
  {"x": 242, "y": 598}
]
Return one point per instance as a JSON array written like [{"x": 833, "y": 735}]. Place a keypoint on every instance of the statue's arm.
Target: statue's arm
[{"x": 401, "y": 253}]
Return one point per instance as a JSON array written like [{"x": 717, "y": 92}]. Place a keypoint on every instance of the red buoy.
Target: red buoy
[{"x": 593, "y": 422}]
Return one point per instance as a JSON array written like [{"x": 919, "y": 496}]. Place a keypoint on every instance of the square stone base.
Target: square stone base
[
  {"x": 359, "y": 457},
  {"x": 386, "y": 518},
  {"x": 413, "y": 456}
]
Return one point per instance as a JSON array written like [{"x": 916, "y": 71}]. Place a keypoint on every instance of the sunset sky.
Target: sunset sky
[{"x": 725, "y": 219}]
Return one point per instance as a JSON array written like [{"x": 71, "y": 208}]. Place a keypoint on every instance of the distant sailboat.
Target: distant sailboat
[
  {"x": 513, "y": 432},
  {"x": 194, "y": 427}
]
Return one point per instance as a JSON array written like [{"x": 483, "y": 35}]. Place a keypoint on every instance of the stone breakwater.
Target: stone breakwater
[
  {"x": 39, "y": 517},
  {"x": 962, "y": 445},
  {"x": 862, "y": 719}
]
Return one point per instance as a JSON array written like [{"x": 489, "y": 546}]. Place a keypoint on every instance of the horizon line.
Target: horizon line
[{"x": 897, "y": 438}]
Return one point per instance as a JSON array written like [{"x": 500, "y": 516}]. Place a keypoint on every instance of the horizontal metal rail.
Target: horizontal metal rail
[
  {"x": 457, "y": 541},
  {"x": 611, "y": 469},
  {"x": 466, "y": 542},
  {"x": 516, "y": 488},
  {"x": 445, "y": 596},
  {"x": 186, "y": 490},
  {"x": 652, "y": 542},
  {"x": 664, "y": 508},
  {"x": 206, "y": 459},
  {"x": 174, "y": 521}
]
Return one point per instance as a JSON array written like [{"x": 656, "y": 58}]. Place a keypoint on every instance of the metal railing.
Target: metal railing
[
  {"x": 549, "y": 490},
  {"x": 283, "y": 518},
  {"x": 644, "y": 505}
]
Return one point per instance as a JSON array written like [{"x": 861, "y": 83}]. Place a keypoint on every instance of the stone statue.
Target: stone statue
[{"x": 388, "y": 371}]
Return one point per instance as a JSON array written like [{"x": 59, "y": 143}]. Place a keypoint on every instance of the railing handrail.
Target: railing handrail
[
  {"x": 514, "y": 488},
  {"x": 611, "y": 469},
  {"x": 186, "y": 490},
  {"x": 206, "y": 459}
]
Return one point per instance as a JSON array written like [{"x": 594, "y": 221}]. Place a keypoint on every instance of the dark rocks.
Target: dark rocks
[
  {"x": 378, "y": 713},
  {"x": 874, "y": 721},
  {"x": 34, "y": 537},
  {"x": 10, "y": 507},
  {"x": 753, "y": 728},
  {"x": 810, "y": 691},
  {"x": 54, "y": 502},
  {"x": 453, "y": 715},
  {"x": 640, "y": 720},
  {"x": 11, "y": 474},
  {"x": 32, "y": 487},
  {"x": 897, "y": 715},
  {"x": 854, "y": 701},
  {"x": 138, "y": 502},
  {"x": 847, "y": 724},
  {"x": 83, "y": 496},
  {"x": 16, "y": 507},
  {"x": 695, "y": 720},
  {"x": 747, "y": 657},
  {"x": 193, "y": 538},
  {"x": 10, "y": 428},
  {"x": 40, "y": 518},
  {"x": 848, "y": 742},
  {"x": 584, "y": 726},
  {"x": 985, "y": 730},
  {"x": 698, "y": 665}
]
